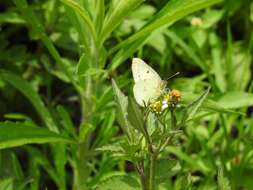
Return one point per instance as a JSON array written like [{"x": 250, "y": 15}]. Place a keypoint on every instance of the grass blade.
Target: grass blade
[
  {"x": 122, "y": 105},
  {"x": 172, "y": 12},
  {"x": 17, "y": 134},
  {"x": 118, "y": 10},
  {"x": 38, "y": 28},
  {"x": 25, "y": 88},
  {"x": 84, "y": 15}
]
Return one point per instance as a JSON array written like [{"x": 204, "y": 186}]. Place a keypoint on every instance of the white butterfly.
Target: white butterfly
[{"x": 148, "y": 84}]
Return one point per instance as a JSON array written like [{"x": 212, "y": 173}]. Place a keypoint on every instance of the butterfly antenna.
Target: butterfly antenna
[{"x": 177, "y": 73}]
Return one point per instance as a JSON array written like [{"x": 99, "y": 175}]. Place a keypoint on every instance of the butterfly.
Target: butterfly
[{"x": 148, "y": 85}]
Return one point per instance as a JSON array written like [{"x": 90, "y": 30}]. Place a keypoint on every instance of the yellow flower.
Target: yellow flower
[
  {"x": 156, "y": 107},
  {"x": 166, "y": 98}
]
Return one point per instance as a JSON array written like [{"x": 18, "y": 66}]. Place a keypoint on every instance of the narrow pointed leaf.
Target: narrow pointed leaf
[
  {"x": 135, "y": 116},
  {"x": 122, "y": 105},
  {"x": 192, "y": 108},
  {"x": 118, "y": 10},
  {"x": 172, "y": 12},
  {"x": 236, "y": 99},
  {"x": 26, "y": 89},
  {"x": 17, "y": 134}
]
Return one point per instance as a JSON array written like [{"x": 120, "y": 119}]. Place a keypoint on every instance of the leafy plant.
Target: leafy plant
[{"x": 59, "y": 121}]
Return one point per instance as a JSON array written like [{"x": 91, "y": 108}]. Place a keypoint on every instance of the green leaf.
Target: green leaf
[
  {"x": 111, "y": 148},
  {"x": 120, "y": 182},
  {"x": 40, "y": 33},
  {"x": 199, "y": 36},
  {"x": 17, "y": 168},
  {"x": 125, "y": 52},
  {"x": 135, "y": 116},
  {"x": 218, "y": 65},
  {"x": 196, "y": 164},
  {"x": 83, "y": 65},
  {"x": 11, "y": 17},
  {"x": 223, "y": 183},
  {"x": 164, "y": 169},
  {"x": 211, "y": 17},
  {"x": 6, "y": 184},
  {"x": 17, "y": 134},
  {"x": 208, "y": 104},
  {"x": 66, "y": 120},
  {"x": 84, "y": 15},
  {"x": 183, "y": 183},
  {"x": 122, "y": 106},
  {"x": 172, "y": 12},
  {"x": 26, "y": 89},
  {"x": 192, "y": 108},
  {"x": 100, "y": 15},
  {"x": 39, "y": 159},
  {"x": 158, "y": 41},
  {"x": 76, "y": 21},
  {"x": 60, "y": 160},
  {"x": 118, "y": 10},
  {"x": 93, "y": 71},
  {"x": 144, "y": 11},
  {"x": 16, "y": 116},
  {"x": 251, "y": 11},
  {"x": 84, "y": 131},
  {"x": 188, "y": 50},
  {"x": 236, "y": 99}
]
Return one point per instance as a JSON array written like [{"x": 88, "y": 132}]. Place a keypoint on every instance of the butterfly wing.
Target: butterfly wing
[
  {"x": 142, "y": 71},
  {"x": 146, "y": 91},
  {"x": 148, "y": 84}
]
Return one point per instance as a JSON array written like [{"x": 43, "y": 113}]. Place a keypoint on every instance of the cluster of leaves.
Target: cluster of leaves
[{"x": 57, "y": 57}]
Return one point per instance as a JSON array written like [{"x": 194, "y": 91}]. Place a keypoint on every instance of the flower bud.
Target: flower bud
[{"x": 196, "y": 21}]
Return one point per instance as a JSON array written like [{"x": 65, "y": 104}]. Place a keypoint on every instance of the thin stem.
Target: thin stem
[
  {"x": 173, "y": 119},
  {"x": 140, "y": 170},
  {"x": 153, "y": 158},
  {"x": 173, "y": 126},
  {"x": 146, "y": 135},
  {"x": 166, "y": 143}
]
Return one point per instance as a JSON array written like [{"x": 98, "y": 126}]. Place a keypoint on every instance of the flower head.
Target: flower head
[
  {"x": 156, "y": 107},
  {"x": 175, "y": 95}
]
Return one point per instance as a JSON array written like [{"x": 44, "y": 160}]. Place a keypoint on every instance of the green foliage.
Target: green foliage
[
  {"x": 124, "y": 182},
  {"x": 58, "y": 58},
  {"x": 223, "y": 183},
  {"x": 6, "y": 184},
  {"x": 16, "y": 134},
  {"x": 35, "y": 99}
]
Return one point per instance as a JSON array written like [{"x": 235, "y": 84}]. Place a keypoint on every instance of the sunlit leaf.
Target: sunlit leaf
[
  {"x": 17, "y": 134},
  {"x": 236, "y": 99},
  {"x": 124, "y": 182}
]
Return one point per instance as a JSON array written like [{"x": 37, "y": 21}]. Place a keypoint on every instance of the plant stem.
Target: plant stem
[
  {"x": 173, "y": 119},
  {"x": 140, "y": 169},
  {"x": 153, "y": 158}
]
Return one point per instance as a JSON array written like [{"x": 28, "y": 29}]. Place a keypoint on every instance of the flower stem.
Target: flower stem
[
  {"x": 152, "y": 171},
  {"x": 173, "y": 119},
  {"x": 143, "y": 179}
]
